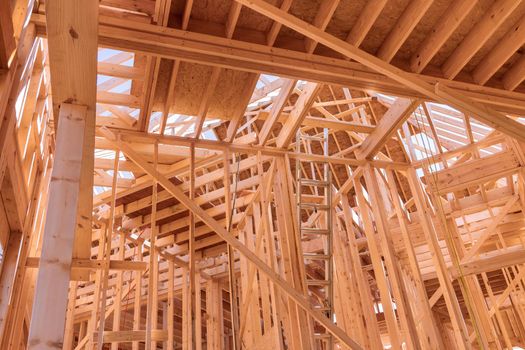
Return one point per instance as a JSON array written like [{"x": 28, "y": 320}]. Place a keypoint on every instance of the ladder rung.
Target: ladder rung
[
  {"x": 322, "y": 335},
  {"x": 314, "y": 231},
  {"x": 313, "y": 138},
  {"x": 310, "y": 256},
  {"x": 323, "y": 309},
  {"x": 317, "y": 283},
  {"x": 315, "y": 206},
  {"x": 310, "y": 182}
]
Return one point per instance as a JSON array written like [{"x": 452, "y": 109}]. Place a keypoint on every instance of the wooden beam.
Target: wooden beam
[
  {"x": 238, "y": 55},
  {"x": 478, "y": 36},
  {"x": 410, "y": 17},
  {"x": 278, "y": 105},
  {"x": 229, "y": 238},
  {"x": 453, "y": 17},
  {"x": 50, "y": 302},
  {"x": 482, "y": 113},
  {"x": 7, "y": 36},
  {"x": 367, "y": 17},
  {"x": 515, "y": 75},
  {"x": 34, "y": 262},
  {"x": 504, "y": 49},
  {"x": 400, "y": 110},
  {"x": 297, "y": 114},
  {"x": 322, "y": 18}
]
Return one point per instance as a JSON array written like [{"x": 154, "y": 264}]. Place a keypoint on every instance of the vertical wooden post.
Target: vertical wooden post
[
  {"x": 49, "y": 308},
  {"x": 231, "y": 255},
  {"x": 458, "y": 323},
  {"x": 198, "y": 312},
  {"x": 151, "y": 315},
  {"x": 120, "y": 280},
  {"x": 396, "y": 283},
  {"x": 70, "y": 316},
  {"x": 138, "y": 297},
  {"x": 431, "y": 338},
  {"x": 191, "y": 257},
  {"x": 169, "y": 323}
]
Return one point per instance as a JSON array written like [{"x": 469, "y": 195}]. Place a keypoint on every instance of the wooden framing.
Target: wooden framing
[{"x": 250, "y": 175}]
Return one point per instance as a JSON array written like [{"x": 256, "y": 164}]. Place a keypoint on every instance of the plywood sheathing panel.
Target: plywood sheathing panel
[
  {"x": 211, "y": 10},
  {"x": 228, "y": 96},
  {"x": 163, "y": 81},
  {"x": 191, "y": 83},
  {"x": 250, "y": 19}
]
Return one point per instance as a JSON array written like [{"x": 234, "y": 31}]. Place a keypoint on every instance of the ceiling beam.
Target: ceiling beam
[
  {"x": 478, "y": 36},
  {"x": 504, "y": 49},
  {"x": 411, "y": 16},
  {"x": 490, "y": 117},
  {"x": 453, "y": 16},
  {"x": 297, "y": 114},
  {"x": 210, "y": 50},
  {"x": 398, "y": 113},
  {"x": 515, "y": 75},
  {"x": 365, "y": 21}
]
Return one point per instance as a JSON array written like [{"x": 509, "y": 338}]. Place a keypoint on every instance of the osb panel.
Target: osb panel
[
  {"x": 229, "y": 93},
  {"x": 189, "y": 87},
  {"x": 211, "y": 10},
  {"x": 253, "y": 20},
  {"x": 345, "y": 17},
  {"x": 163, "y": 81}
]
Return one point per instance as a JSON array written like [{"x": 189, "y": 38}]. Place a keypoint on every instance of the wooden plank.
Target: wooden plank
[
  {"x": 322, "y": 18},
  {"x": 297, "y": 114},
  {"x": 7, "y": 36},
  {"x": 50, "y": 301},
  {"x": 478, "y": 36},
  {"x": 34, "y": 262},
  {"x": 399, "y": 111},
  {"x": 472, "y": 173},
  {"x": 515, "y": 75},
  {"x": 276, "y": 110},
  {"x": 492, "y": 261},
  {"x": 410, "y": 17},
  {"x": 425, "y": 215},
  {"x": 364, "y": 22},
  {"x": 504, "y": 49},
  {"x": 229, "y": 238},
  {"x": 131, "y": 336},
  {"x": 454, "y": 15}
]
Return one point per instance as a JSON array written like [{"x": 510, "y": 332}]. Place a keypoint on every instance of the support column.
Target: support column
[{"x": 49, "y": 308}]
